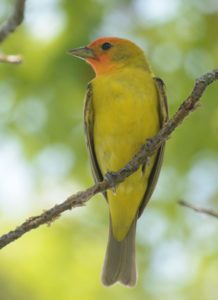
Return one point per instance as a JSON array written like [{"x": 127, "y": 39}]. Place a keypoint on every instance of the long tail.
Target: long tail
[{"x": 119, "y": 263}]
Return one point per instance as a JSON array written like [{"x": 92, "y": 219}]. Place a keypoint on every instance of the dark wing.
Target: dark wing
[
  {"x": 163, "y": 110},
  {"x": 89, "y": 125}
]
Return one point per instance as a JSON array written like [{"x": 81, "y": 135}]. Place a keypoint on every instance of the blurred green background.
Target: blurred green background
[{"x": 43, "y": 157}]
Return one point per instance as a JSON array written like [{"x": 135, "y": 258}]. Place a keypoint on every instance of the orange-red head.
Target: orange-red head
[{"x": 109, "y": 53}]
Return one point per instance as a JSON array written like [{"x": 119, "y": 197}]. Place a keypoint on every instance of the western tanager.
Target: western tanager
[{"x": 125, "y": 106}]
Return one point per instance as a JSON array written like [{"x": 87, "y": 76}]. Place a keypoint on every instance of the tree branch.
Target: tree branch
[
  {"x": 14, "y": 21},
  {"x": 114, "y": 178},
  {"x": 10, "y": 26},
  {"x": 199, "y": 209}
]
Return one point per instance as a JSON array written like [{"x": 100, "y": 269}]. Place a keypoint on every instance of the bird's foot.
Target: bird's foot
[{"x": 111, "y": 177}]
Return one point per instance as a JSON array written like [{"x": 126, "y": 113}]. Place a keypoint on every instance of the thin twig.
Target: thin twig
[
  {"x": 114, "y": 178},
  {"x": 11, "y": 59},
  {"x": 199, "y": 209},
  {"x": 14, "y": 21}
]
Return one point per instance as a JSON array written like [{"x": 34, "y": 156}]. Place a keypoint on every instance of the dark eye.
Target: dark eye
[{"x": 106, "y": 46}]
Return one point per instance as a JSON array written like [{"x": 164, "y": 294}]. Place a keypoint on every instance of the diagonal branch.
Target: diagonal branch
[
  {"x": 199, "y": 209},
  {"x": 114, "y": 178},
  {"x": 14, "y": 21}
]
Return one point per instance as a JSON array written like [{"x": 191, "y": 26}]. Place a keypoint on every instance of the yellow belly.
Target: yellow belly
[{"x": 125, "y": 115}]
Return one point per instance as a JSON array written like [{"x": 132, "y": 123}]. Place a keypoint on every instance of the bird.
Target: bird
[{"x": 125, "y": 105}]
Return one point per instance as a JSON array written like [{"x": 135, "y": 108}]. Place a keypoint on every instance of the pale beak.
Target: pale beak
[{"x": 83, "y": 52}]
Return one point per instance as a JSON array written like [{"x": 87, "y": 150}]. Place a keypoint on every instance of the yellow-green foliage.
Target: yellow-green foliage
[{"x": 41, "y": 111}]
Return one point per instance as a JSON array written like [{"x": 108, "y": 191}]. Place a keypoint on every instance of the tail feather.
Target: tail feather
[{"x": 119, "y": 264}]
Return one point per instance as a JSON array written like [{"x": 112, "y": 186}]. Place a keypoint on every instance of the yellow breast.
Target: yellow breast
[{"x": 126, "y": 113}]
